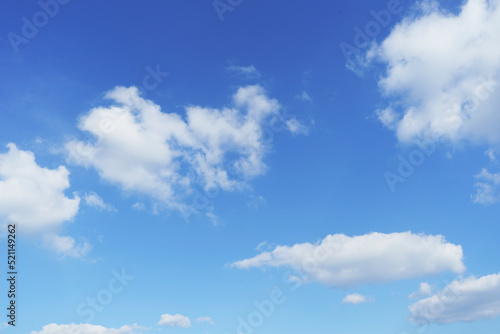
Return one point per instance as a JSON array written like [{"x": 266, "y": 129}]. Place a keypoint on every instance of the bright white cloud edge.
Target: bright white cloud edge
[
  {"x": 443, "y": 86},
  {"x": 463, "y": 300},
  {"x": 33, "y": 196},
  {"x": 145, "y": 150}
]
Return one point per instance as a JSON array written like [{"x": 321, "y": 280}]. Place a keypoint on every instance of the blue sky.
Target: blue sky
[{"x": 251, "y": 166}]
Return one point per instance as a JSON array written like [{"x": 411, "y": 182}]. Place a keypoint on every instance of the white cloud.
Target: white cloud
[
  {"x": 256, "y": 202},
  {"x": 295, "y": 127},
  {"x": 461, "y": 301},
  {"x": 176, "y": 320},
  {"x": 246, "y": 71},
  {"x": 139, "y": 206},
  {"x": 304, "y": 96},
  {"x": 261, "y": 245},
  {"x": 354, "y": 299},
  {"x": 387, "y": 116},
  {"x": 442, "y": 74},
  {"x": 487, "y": 189},
  {"x": 145, "y": 150},
  {"x": 33, "y": 196},
  {"x": 94, "y": 200},
  {"x": 87, "y": 329},
  {"x": 207, "y": 320},
  {"x": 423, "y": 290},
  {"x": 343, "y": 261},
  {"x": 491, "y": 155},
  {"x": 66, "y": 246}
]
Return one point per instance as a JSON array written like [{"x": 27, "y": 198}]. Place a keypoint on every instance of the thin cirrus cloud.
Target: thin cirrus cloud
[
  {"x": 296, "y": 127},
  {"x": 143, "y": 149},
  {"x": 88, "y": 329},
  {"x": 249, "y": 72},
  {"x": 341, "y": 261},
  {"x": 206, "y": 320},
  {"x": 175, "y": 320},
  {"x": 487, "y": 188},
  {"x": 443, "y": 85},
  {"x": 463, "y": 300},
  {"x": 33, "y": 196}
]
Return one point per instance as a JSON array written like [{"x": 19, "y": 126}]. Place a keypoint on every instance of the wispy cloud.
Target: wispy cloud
[
  {"x": 207, "y": 320},
  {"x": 304, "y": 96},
  {"x": 296, "y": 127},
  {"x": 94, "y": 200},
  {"x": 249, "y": 72},
  {"x": 487, "y": 188},
  {"x": 424, "y": 290},
  {"x": 66, "y": 246}
]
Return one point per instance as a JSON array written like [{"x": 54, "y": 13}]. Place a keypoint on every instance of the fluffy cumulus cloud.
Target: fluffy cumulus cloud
[
  {"x": 33, "y": 196},
  {"x": 342, "y": 261},
  {"x": 462, "y": 300},
  {"x": 442, "y": 74},
  {"x": 487, "y": 188},
  {"x": 354, "y": 299},
  {"x": 88, "y": 329},
  {"x": 143, "y": 149},
  {"x": 66, "y": 246},
  {"x": 175, "y": 320}
]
